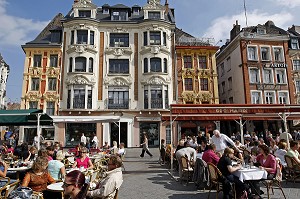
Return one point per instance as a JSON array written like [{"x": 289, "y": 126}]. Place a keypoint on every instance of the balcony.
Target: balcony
[
  {"x": 118, "y": 103},
  {"x": 80, "y": 104},
  {"x": 155, "y": 103}
]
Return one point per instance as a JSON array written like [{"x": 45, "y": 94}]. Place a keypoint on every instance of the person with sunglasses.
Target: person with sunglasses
[
  {"x": 74, "y": 185},
  {"x": 83, "y": 160},
  {"x": 109, "y": 186}
]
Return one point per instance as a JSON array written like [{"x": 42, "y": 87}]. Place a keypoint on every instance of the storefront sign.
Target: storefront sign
[{"x": 276, "y": 65}]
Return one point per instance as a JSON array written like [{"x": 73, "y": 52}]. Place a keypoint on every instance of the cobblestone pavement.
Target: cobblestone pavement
[{"x": 146, "y": 178}]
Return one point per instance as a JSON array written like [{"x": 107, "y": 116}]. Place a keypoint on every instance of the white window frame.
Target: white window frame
[
  {"x": 254, "y": 98},
  {"x": 255, "y": 53},
  {"x": 271, "y": 76},
  {"x": 258, "y": 74},
  {"x": 284, "y": 78},
  {"x": 297, "y": 85},
  {"x": 268, "y": 53},
  {"x": 273, "y": 96},
  {"x": 286, "y": 93},
  {"x": 296, "y": 42},
  {"x": 296, "y": 66},
  {"x": 281, "y": 53}
]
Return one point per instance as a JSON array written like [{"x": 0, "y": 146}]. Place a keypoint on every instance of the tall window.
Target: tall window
[
  {"x": 52, "y": 84},
  {"x": 70, "y": 64},
  {"x": 280, "y": 76},
  {"x": 153, "y": 15},
  {"x": 155, "y": 65},
  {"x": 222, "y": 68},
  {"x": 92, "y": 37},
  {"x": 33, "y": 105},
  {"x": 80, "y": 97},
  {"x": 91, "y": 65},
  {"x": 283, "y": 97},
  {"x": 35, "y": 84},
  {"x": 256, "y": 97},
  {"x": 164, "y": 38},
  {"x": 50, "y": 109},
  {"x": 37, "y": 61},
  {"x": 296, "y": 64},
  {"x": 265, "y": 53},
  {"x": 294, "y": 43},
  {"x": 145, "y": 38},
  {"x": 80, "y": 64},
  {"x": 278, "y": 54},
  {"x": 269, "y": 97},
  {"x": 72, "y": 37},
  {"x": 187, "y": 61},
  {"x": 146, "y": 65},
  {"x": 53, "y": 60},
  {"x": 254, "y": 75},
  {"x": 229, "y": 83},
  {"x": 204, "y": 84},
  {"x": 156, "y": 98},
  {"x": 120, "y": 66},
  {"x": 188, "y": 84},
  {"x": 223, "y": 87},
  {"x": 82, "y": 36},
  {"x": 118, "y": 98},
  {"x": 268, "y": 76},
  {"x": 297, "y": 84},
  {"x": 202, "y": 62},
  {"x": 119, "y": 40},
  {"x": 165, "y": 65},
  {"x": 252, "y": 54},
  {"x": 155, "y": 38}
]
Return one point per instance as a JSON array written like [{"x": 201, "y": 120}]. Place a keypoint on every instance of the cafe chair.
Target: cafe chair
[
  {"x": 292, "y": 168},
  {"x": 187, "y": 169},
  {"x": 116, "y": 194},
  {"x": 276, "y": 181},
  {"x": 37, "y": 195},
  {"x": 10, "y": 187},
  {"x": 215, "y": 179},
  {"x": 246, "y": 155}
]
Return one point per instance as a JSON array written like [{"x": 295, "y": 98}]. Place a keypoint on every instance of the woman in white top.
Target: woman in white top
[
  {"x": 95, "y": 142},
  {"x": 281, "y": 152}
]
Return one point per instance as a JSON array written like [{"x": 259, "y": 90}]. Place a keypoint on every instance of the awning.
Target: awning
[
  {"x": 85, "y": 119},
  {"x": 24, "y": 117}
]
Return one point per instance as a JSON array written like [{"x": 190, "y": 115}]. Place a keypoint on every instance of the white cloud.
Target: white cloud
[
  {"x": 288, "y": 3},
  {"x": 220, "y": 27},
  {"x": 16, "y": 31}
]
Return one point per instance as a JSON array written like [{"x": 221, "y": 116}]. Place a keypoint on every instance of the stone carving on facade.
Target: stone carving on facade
[
  {"x": 203, "y": 73},
  {"x": 205, "y": 97},
  {"x": 119, "y": 30},
  {"x": 35, "y": 72},
  {"x": 51, "y": 96},
  {"x": 84, "y": 4},
  {"x": 82, "y": 26},
  {"x": 156, "y": 80},
  {"x": 117, "y": 81},
  {"x": 153, "y": 5},
  {"x": 189, "y": 96},
  {"x": 118, "y": 51},
  {"x": 33, "y": 96},
  {"x": 155, "y": 50},
  {"x": 53, "y": 72},
  {"x": 188, "y": 72},
  {"x": 81, "y": 48},
  {"x": 80, "y": 80}
]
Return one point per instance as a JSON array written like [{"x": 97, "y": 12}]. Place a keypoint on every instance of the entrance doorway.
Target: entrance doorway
[{"x": 114, "y": 132}]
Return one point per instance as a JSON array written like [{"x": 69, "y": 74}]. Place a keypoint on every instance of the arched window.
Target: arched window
[
  {"x": 91, "y": 65},
  {"x": 146, "y": 65}
]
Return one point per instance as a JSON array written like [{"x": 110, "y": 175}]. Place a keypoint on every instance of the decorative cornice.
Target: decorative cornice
[
  {"x": 189, "y": 96},
  {"x": 155, "y": 49},
  {"x": 118, "y": 30},
  {"x": 117, "y": 81},
  {"x": 82, "y": 26},
  {"x": 118, "y": 51},
  {"x": 81, "y": 80},
  {"x": 81, "y": 48},
  {"x": 156, "y": 80},
  {"x": 35, "y": 72},
  {"x": 51, "y": 96}
]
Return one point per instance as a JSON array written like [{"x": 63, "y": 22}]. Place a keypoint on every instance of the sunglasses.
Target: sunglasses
[{"x": 66, "y": 184}]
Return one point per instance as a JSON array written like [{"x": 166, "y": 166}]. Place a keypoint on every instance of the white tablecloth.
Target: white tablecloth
[
  {"x": 251, "y": 174},
  {"x": 18, "y": 169},
  {"x": 56, "y": 187}
]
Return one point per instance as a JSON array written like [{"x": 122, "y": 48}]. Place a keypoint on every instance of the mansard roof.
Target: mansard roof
[
  {"x": 183, "y": 38},
  {"x": 269, "y": 26}
]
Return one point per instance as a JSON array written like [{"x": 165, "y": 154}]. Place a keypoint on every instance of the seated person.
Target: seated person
[
  {"x": 293, "y": 152},
  {"x": 226, "y": 168},
  {"x": 38, "y": 177},
  {"x": 10, "y": 149},
  {"x": 50, "y": 151},
  {"x": 202, "y": 147},
  {"x": 44, "y": 153},
  {"x": 3, "y": 172},
  {"x": 281, "y": 152},
  {"x": 108, "y": 186},
  {"x": 114, "y": 149},
  {"x": 210, "y": 155},
  {"x": 56, "y": 168},
  {"x": 121, "y": 150},
  {"x": 105, "y": 146},
  {"x": 74, "y": 185},
  {"x": 32, "y": 153},
  {"x": 83, "y": 160}
]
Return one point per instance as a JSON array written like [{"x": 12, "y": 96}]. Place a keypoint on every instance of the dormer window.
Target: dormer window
[
  {"x": 84, "y": 13},
  {"x": 261, "y": 31},
  {"x": 154, "y": 15},
  {"x": 135, "y": 11},
  {"x": 119, "y": 16},
  {"x": 105, "y": 11}
]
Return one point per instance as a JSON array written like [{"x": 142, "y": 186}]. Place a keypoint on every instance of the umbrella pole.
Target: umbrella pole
[{"x": 38, "y": 130}]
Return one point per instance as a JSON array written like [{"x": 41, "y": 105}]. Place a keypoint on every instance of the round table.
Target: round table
[
  {"x": 18, "y": 170},
  {"x": 56, "y": 187}
]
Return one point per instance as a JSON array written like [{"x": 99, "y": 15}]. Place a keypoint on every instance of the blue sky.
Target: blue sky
[{"x": 22, "y": 20}]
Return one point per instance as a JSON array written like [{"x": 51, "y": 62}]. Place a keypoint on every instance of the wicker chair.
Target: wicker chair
[
  {"x": 11, "y": 187},
  {"x": 215, "y": 180},
  {"x": 292, "y": 168},
  {"x": 187, "y": 169}
]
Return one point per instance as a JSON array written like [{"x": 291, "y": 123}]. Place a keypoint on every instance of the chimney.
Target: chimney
[
  {"x": 76, "y": 1},
  {"x": 167, "y": 6},
  {"x": 235, "y": 30}
]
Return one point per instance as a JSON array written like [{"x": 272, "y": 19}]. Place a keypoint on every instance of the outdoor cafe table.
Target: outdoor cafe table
[
  {"x": 56, "y": 187},
  {"x": 253, "y": 173},
  {"x": 18, "y": 170}
]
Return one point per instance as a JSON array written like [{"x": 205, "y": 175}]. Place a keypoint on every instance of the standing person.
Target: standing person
[
  {"x": 221, "y": 141},
  {"x": 145, "y": 146},
  {"x": 36, "y": 140},
  {"x": 95, "y": 141},
  {"x": 83, "y": 139},
  {"x": 88, "y": 143},
  {"x": 186, "y": 151},
  {"x": 162, "y": 151},
  {"x": 75, "y": 186},
  {"x": 108, "y": 187}
]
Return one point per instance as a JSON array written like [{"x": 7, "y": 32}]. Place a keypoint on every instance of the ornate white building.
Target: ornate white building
[{"x": 4, "y": 72}]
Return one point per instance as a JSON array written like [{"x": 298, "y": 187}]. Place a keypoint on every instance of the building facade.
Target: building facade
[
  {"x": 254, "y": 68},
  {"x": 42, "y": 77},
  {"x": 4, "y": 73},
  {"x": 197, "y": 81}
]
